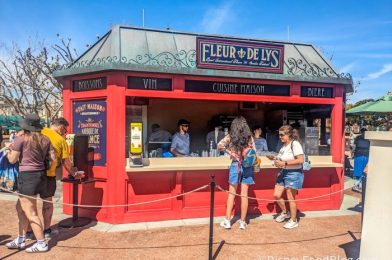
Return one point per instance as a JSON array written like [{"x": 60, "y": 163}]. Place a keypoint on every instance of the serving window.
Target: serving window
[{"x": 312, "y": 121}]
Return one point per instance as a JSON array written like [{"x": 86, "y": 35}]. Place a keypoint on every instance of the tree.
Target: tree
[
  {"x": 362, "y": 102},
  {"x": 26, "y": 79}
]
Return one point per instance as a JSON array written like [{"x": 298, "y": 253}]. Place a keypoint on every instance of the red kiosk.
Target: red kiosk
[{"x": 157, "y": 77}]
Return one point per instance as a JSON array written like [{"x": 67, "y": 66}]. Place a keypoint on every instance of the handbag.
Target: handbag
[
  {"x": 8, "y": 172},
  {"x": 307, "y": 164},
  {"x": 250, "y": 159}
]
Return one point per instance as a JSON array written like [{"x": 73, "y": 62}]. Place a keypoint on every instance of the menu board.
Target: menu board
[
  {"x": 89, "y": 118},
  {"x": 312, "y": 135}
]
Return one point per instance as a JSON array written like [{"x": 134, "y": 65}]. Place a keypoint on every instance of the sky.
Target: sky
[{"x": 355, "y": 34}]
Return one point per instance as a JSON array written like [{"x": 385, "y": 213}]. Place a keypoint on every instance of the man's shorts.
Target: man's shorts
[
  {"x": 241, "y": 175},
  {"x": 293, "y": 179},
  {"x": 50, "y": 188},
  {"x": 32, "y": 182}
]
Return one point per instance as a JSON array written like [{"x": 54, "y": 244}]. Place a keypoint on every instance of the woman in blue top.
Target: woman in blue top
[{"x": 236, "y": 143}]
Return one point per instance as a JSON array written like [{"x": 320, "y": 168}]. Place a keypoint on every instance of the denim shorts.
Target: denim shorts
[
  {"x": 240, "y": 174},
  {"x": 293, "y": 179}
]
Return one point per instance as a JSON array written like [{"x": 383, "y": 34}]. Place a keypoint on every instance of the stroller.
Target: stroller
[{"x": 8, "y": 173}]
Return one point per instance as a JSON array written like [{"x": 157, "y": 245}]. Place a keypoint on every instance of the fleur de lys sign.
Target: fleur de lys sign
[{"x": 237, "y": 55}]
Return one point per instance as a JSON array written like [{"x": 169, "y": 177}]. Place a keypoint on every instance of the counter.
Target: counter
[{"x": 215, "y": 163}]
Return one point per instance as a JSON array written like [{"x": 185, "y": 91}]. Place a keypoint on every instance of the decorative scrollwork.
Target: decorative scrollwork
[
  {"x": 167, "y": 59},
  {"x": 182, "y": 59},
  {"x": 300, "y": 68}
]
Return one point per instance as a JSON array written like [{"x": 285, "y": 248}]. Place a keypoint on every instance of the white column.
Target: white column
[{"x": 376, "y": 239}]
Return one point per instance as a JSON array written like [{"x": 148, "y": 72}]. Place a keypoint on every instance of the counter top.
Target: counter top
[{"x": 215, "y": 163}]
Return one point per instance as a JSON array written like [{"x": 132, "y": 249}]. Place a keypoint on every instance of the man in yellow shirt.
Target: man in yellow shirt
[{"x": 56, "y": 134}]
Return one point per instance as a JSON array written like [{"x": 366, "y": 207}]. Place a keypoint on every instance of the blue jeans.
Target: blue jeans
[
  {"x": 293, "y": 179},
  {"x": 243, "y": 175}
]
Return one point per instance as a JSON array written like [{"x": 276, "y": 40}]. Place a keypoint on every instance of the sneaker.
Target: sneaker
[
  {"x": 243, "y": 225},
  {"x": 29, "y": 236},
  {"x": 37, "y": 247},
  {"x": 291, "y": 224},
  {"x": 225, "y": 224},
  {"x": 282, "y": 217},
  {"x": 15, "y": 245},
  {"x": 355, "y": 189}
]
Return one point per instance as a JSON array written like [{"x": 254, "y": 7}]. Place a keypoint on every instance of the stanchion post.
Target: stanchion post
[
  {"x": 212, "y": 186},
  {"x": 75, "y": 203}
]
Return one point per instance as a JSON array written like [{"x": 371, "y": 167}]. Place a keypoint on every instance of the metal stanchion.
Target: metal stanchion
[
  {"x": 75, "y": 221},
  {"x": 212, "y": 186}
]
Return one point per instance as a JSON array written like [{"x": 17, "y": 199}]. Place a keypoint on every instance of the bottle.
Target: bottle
[{"x": 211, "y": 148}]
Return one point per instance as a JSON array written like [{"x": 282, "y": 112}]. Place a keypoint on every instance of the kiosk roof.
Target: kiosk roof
[{"x": 166, "y": 51}]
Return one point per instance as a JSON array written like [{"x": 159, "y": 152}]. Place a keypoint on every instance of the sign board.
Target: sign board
[
  {"x": 316, "y": 92},
  {"x": 236, "y": 88},
  {"x": 89, "y": 84},
  {"x": 70, "y": 138},
  {"x": 239, "y": 55},
  {"x": 136, "y": 130},
  {"x": 89, "y": 118},
  {"x": 149, "y": 83}
]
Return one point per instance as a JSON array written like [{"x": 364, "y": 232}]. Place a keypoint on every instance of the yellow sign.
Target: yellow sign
[
  {"x": 136, "y": 130},
  {"x": 70, "y": 138}
]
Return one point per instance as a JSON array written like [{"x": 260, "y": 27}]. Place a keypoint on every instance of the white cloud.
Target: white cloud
[
  {"x": 375, "y": 75},
  {"x": 348, "y": 67},
  {"x": 216, "y": 16}
]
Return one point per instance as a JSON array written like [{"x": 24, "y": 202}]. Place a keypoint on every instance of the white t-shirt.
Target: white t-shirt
[{"x": 287, "y": 154}]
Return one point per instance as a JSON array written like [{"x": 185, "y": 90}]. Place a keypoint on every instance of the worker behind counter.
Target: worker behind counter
[
  {"x": 159, "y": 135},
  {"x": 159, "y": 142},
  {"x": 181, "y": 141},
  {"x": 260, "y": 142},
  {"x": 214, "y": 136}
]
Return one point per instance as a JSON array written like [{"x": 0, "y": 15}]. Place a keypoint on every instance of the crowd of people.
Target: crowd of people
[
  {"x": 39, "y": 152},
  {"x": 359, "y": 148}
]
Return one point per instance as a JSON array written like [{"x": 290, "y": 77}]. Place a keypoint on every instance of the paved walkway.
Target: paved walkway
[{"x": 321, "y": 233}]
